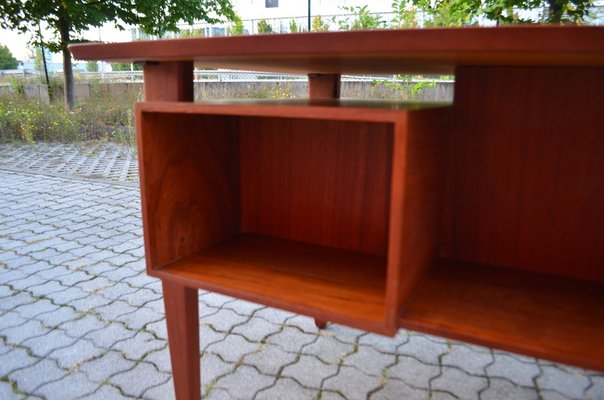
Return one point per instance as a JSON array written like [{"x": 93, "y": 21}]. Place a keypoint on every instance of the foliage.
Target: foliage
[
  {"x": 39, "y": 59},
  {"x": 190, "y": 33},
  {"x": 360, "y": 18},
  {"x": 67, "y": 19},
  {"x": 237, "y": 27},
  {"x": 406, "y": 86},
  {"x": 449, "y": 12},
  {"x": 126, "y": 67},
  {"x": 264, "y": 27},
  {"x": 7, "y": 60},
  {"x": 405, "y": 15},
  {"x": 92, "y": 66},
  {"x": 277, "y": 90},
  {"x": 103, "y": 116},
  {"x": 293, "y": 27},
  {"x": 318, "y": 25}
]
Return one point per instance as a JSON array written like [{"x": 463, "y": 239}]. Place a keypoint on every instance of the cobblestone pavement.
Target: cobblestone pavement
[{"x": 80, "y": 319}]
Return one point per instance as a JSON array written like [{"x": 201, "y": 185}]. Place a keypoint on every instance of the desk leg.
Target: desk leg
[
  {"x": 182, "y": 319},
  {"x": 320, "y": 323}
]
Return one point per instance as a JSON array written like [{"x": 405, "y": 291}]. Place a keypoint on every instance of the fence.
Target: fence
[{"x": 224, "y": 84}]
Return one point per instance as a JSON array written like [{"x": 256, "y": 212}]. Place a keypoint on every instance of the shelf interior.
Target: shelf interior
[
  {"x": 538, "y": 314},
  {"x": 337, "y": 285}
]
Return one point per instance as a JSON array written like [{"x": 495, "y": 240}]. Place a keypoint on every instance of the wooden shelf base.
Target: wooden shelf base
[
  {"x": 546, "y": 316},
  {"x": 329, "y": 284}
]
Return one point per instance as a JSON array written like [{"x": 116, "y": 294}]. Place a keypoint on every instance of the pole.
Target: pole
[
  {"x": 309, "y": 23},
  {"x": 44, "y": 60}
]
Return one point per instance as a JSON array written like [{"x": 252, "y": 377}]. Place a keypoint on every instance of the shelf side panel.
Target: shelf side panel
[
  {"x": 526, "y": 178},
  {"x": 317, "y": 181},
  {"x": 416, "y": 203},
  {"x": 190, "y": 183}
]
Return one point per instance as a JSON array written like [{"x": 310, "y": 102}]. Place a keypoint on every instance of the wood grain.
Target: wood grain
[
  {"x": 322, "y": 86},
  {"x": 191, "y": 185},
  {"x": 532, "y": 313},
  {"x": 526, "y": 179},
  {"x": 317, "y": 181},
  {"x": 416, "y": 202},
  {"x": 330, "y": 284},
  {"x": 380, "y": 51},
  {"x": 182, "y": 321},
  {"x": 168, "y": 81}
]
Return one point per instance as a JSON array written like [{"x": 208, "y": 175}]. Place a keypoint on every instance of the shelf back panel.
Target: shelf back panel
[
  {"x": 189, "y": 183},
  {"x": 317, "y": 181},
  {"x": 526, "y": 175}
]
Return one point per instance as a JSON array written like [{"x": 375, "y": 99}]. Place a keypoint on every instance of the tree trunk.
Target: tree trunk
[
  {"x": 555, "y": 11},
  {"x": 69, "y": 87}
]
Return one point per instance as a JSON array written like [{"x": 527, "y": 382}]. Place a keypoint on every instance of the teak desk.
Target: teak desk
[{"x": 481, "y": 221}]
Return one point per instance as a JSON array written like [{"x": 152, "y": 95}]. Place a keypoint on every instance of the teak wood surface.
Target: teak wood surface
[{"x": 479, "y": 221}]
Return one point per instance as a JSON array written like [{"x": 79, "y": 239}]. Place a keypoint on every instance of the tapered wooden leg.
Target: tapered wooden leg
[
  {"x": 182, "y": 319},
  {"x": 321, "y": 324}
]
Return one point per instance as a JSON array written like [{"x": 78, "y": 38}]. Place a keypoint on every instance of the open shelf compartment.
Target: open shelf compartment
[{"x": 294, "y": 205}]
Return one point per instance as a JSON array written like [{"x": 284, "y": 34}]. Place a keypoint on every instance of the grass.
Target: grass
[{"x": 104, "y": 116}]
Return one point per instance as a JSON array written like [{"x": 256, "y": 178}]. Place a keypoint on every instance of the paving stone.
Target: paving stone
[
  {"x": 244, "y": 382},
  {"x": 46, "y": 288},
  {"x": 15, "y": 359},
  {"x": 6, "y": 391},
  {"x": 287, "y": 389},
  {"x": 32, "y": 377},
  {"x": 413, "y": 372},
  {"x": 274, "y": 315},
  {"x": 310, "y": 371},
  {"x": 511, "y": 368},
  {"x": 165, "y": 391},
  {"x": 136, "y": 347},
  {"x": 384, "y": 344},
  {"x": 81, "y": 326},
  {"x": 596, "y": 391},
  {"x": 8, "y": 303},
  {"x": 41, "y": 346},
  {"x": 161, "y": 359},
  {"x": 214, "y": 299},
  {"x": 224, "y": 320},
  {"x": 270, "y": 359},
  {"x": 139, "y": 318},
  {"x": 21, "y": 333},
  {"x": 108, "y": 392},
  {"x": 438, "y": 395},
  {"x": 66, "y": 296},
  {"x": 343, "y": 333},
  {"x": 243, "y": 307},
  {"x": 158, "y": 329},
  {"x": 571, "y": 384},
  {"x": 72, "y": 386},
  {"x": 352, "y": 383},
  {"x": 218, "y": 394},
  {"x": 89, "y": 303},
  {"x": 141, "y": 297},
  {"x": 461, "y": 384},
  {"x": 370, "y": 361},
  {"x": 110, "y": 335},
  {"x": 11, "y": 319},
  {"x": 328, "y": 349},
  {"x": 326, "y": 395},
  {"x": 71, "y": 357},
  {"x": 256, "y": 329},
  {"x": 424, "y": 349},
  {"x": 208, "y": 336},
  {"x": 57, "y": 317},
  {"x": 233, "y": 348},
  {"x": 213, "y": 367},
  {"x": 503, "y": 389},
  {"x": 111, "y": 311},
  {"x": 291, "y": 339},
  {"x": 397, "y": 390},
  {"x": 27, "y": 282},
  {"x": 102, "y": 368},
  {"x": 467, "y": 359},
  {"x": 551, "y": 395},
  {"x": 303, "y": 323},
  {"x": 139, "y": 379}
]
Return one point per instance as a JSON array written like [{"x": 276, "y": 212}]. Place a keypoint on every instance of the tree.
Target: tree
[
  {"x": 92, "y": 66},
  {"x": 293, "y": 27},
  {"x": 67, "y": 19},
  {"x": 359, "y": 18},
  {"x": 237, "y": 28},
  {"x": 7, "y": 60},
  {"x": 264, "y": 26}
]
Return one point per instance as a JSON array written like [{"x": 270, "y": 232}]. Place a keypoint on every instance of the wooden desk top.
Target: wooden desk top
[{"x": 436, "y": 51}]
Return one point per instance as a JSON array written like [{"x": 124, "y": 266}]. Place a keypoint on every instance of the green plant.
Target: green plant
[
  {"x": 92, "y": 66},
  {"x": 7, "y": 60},
  {"x": 405, "y": 15},
  {"x": 405, "y": 86},
  {"x": 293, "y": 27},
  {"x": 318, "y": 25},
  {"x": 264, "y": 27},
  {"x": 360, "y": 18},
  {"x": 236, "y": 28},
  {"x": 275, "y": 91}
]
